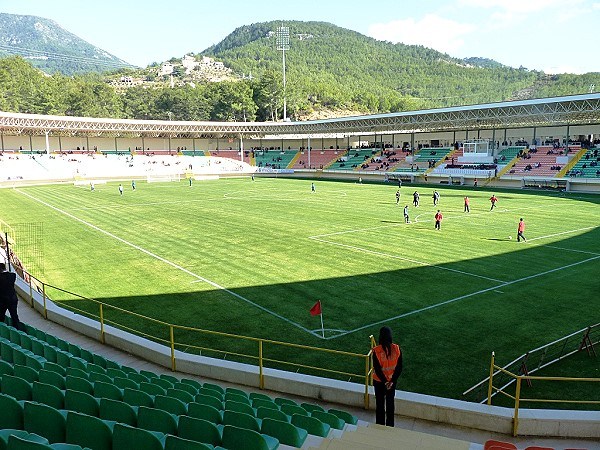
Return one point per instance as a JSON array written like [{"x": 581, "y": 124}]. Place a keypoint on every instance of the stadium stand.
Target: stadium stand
[
  {"x": 587, "y": 166},
  {"x": 277, "y": 159},
  {"x": 319, "y": 159},
  {"x": 355, "y": 159}
]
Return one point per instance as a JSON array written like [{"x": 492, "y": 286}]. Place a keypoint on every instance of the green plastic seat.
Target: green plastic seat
[
  {"x": 15, "y": 387},
  {"x": 110, "y": 364},
  {"x": 115, "y": 372},
  {"x": 192, "y": 390},
  {"x": 12, "y": 413},
  {"x": 260, "y": 403},
  {"x": 6, "y": 351},
  {"x": 195, "y": 383},
  {"x": 81, "y": 402},
  {"x": 94, "y": 376},
  {"x": 126, "y": 437},
  {"x": 53, "y": 367},
  {"x": 148, "y": 374},
  {"x": 99, "y": 360},
  {"x": 184, "y": 396},
  {"x": 285, "y": 432},
  {"x": 199, "y": 430},
  {"x": 344, "y": 415},
  {"x": 107, "y": 390},
  {"x": 88, "y": 431},
  {"x": 152, "y": 389},
  {"x": 19, "y": 356},
  {"x": 73, "y": 349},
  {"x": 94, "y": 368},
  {"x": 26, "y": 373},
  {"x": 311, "y": 424},
  {"x": 156, "y": 420},
  {"x": 48, "y": 395},
  {"x": 117, "y": 411},
  {"x": 330, "y": 419},
  {"x": 231, "y": 405},
  {"x": 136, "y": 397},
  {"x": 63, "y": 358},
  {"x": 310, "y": 407},
  {"x": 178, "y": 443},
  {"x": 45, "y": 421},
  {"x": 206, "y": 412},
  {"x": 237, "y": 398},
  {"x": 263, "y": 413},
  {"x": 6, "y": 368},
  {"x": 34, "y": 361},
  {"x": 214, "y": 387},
  {"x": 165, "y": 384},
  {"x": 28, "y": 441},
  {"x": 125, "y": 383},
  {"x": 78, "y": 363},
  {"x": 137, "y": 377},
  {"x": 235, "y": 438},
  {"x": 5, "y": 435},
  {"x": 52, "y": 340},
  {"x": 53, "y": 378},
  {"x": 86, "y": 355},
  {"x": 290, "y": 410},
  {"x": 209, "y": 400},
  {"x": 79, "y": 384},
  {"x": 171, "y": 378},
  {"x": 241, "y": 420},
  {"x": 75, "y": 372},
  {"x": 170, "y": 404},
  {"x": 37, "y": 346}
]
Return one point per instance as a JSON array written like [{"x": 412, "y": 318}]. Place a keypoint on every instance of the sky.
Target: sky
[{"x": 555, "y": 36}]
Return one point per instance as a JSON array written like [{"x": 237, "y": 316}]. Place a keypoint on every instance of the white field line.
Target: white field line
[
  {"x": 462, "y": 297},
  {"x": 570, "y": 250},
  {"x": 388, "y": 255},
  {"x": 170, "y": 263},
  {"x": 560, "y": 234}
]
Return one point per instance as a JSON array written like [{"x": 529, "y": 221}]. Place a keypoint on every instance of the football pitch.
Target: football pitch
[{"x": 252, "y": 257}]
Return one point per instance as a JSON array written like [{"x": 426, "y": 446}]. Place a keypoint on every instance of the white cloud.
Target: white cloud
[
  {"x": 520, "y": 6},
  {"x": 432, "y": 31},
  {"x": 596, "y": 6}
]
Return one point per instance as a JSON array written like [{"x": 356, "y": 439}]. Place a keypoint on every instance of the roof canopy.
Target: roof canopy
[{"x": 571, "y": 110}]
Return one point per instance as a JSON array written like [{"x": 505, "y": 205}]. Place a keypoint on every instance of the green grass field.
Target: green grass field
[{"x": 251, "y": 258}]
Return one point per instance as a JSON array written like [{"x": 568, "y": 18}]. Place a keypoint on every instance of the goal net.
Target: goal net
[{"x": 157, "y": 178}]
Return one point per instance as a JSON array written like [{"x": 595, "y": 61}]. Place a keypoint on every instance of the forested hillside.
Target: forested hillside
[{"x": 331, "y": 71}]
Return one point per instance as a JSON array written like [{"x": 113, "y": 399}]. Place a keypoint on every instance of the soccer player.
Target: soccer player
[
  {"x": 467, "y": 201},
  {"x": 121, "y": 189},
  {"x": 92, "y": 187},
  {"x": 438, "y": 220},
  {"x": 416, "y": 198},
  {"x": 436, "y": 198},
  {"x": 312, "y": 187},
  {"x": 520, "y": 229},
  {"x": 493, "y": 201},
  {"x": 133, "y": 185},
  {"x": 406, "y": 220},
  {"x": 397, "y": 196}
]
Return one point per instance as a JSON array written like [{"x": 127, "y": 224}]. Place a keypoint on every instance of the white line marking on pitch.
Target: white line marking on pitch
[
  {"x": 560, "y": 234},
  {"x": 499, "y": 292},
  {"x": 388, "y": 255},
  {"x": 166, "y": 261},
  {"x": 571, "y": 250},
  {"x": 462, "y": 297}
]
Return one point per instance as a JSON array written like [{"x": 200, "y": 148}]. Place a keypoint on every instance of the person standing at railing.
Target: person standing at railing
[
  {"x": 387, "y": 367},
  {"x": 8, "y": 296}
]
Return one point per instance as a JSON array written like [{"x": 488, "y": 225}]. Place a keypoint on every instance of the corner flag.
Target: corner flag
[{"x": 316, "y": 309}]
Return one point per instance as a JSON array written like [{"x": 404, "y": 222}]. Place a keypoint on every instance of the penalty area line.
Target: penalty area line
[{"x": 166, "y": 261}]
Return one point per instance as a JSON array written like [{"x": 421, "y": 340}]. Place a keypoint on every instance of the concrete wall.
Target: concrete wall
[{"x": 573, "y": 424}]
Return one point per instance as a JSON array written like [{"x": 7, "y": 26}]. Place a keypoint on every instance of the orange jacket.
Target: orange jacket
[{"x": 388, "y": 364}]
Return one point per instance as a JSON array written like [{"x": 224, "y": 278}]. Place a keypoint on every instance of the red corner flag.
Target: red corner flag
[{"x": 316, "y": 309}]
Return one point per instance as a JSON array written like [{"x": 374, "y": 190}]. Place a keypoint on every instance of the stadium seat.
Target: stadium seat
[
  {"x": 48, "y": 395},
  {"x": 311, "y": 424},
  {"x": 79, "y": 384},
  {"x": 94, "y": 368},
  {"x": 137, "y": 377},
  {"x": 184, "y": 396},
  {"x": 206, "y": 412},
  {"x": 290, "y": 410},
  {"x": 170, "y": 378},
  {"x": 211, "y": 393},
  {"x": 53, "y": 367},
  {"x": 115, "y": 372},
  {"x": 285, "y": 432},
  {"x": 53, "y": 378},
  {"x": 237, "y": 398},
  {"x": 152, "y": 419},
  {"x": 235, "y": 438},
  {"x": 81, "y": 402},
  {"x": 137, "y": 398},
  {"x": 330, "y": 419},
  {"x": 192, "y": 390},
  {"x": 99, "y": 360},
  {"x": 209, "y": 400},
  {"x": 6, "y": 368},
  {"x": 26, "y": 373},
  {"x": 148, "y": 374},
  {"x": 257, "y": 395},
  {"x": 170, "y": 404},
  {"x": 236, "y": 391},
  {"x": 152, "y": 389},
  {"x": 263, "y": 413},
  {"x": 117, "y": 411},
  {"x": 260, "y": 403},
  {"x": 199, "y": 430},
  {"x": 45, "y": 421},
  {"x": 194, "y": 383},
  {"x": 492, "y": 444},
  {"x": 78, "y": 363},
  {"x": 310, "y": 407},
  {"x": 75, "y": 372},
  {"x": 178, "y": 443},
  {"x": 107, "y": 390},
  {"x": 165, "y": 384},
  {"x": 27, "y": 441},
  {"x": 124, "y": 383},
  {"x": 12, "y": 413},
  {"x": 15, "y": 387},
  {"x": 126, "y": 437},
  {"x": 241, "y": 420},
  {"x": 88, "y": 431},
  {"x": 231, "y": 405},
  {"x": 94, "y": 376},
  {"x": 7, "y": 350},
  {"x": 345, "y": 416},
  {"x": 214, "y": 387},
  {"x": 536, "y": 447}
]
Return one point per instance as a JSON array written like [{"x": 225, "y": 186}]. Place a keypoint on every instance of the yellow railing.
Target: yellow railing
[
  {"x": 39, "y": 286},
  {"x": 494, "y": 369}
]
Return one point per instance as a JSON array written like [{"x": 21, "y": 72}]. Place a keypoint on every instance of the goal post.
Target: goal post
[{"x": 163, "y": 178}]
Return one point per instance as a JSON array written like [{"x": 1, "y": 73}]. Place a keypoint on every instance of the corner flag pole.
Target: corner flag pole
[{"x": 322, "y": 328}]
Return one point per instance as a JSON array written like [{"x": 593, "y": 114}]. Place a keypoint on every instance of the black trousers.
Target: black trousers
[
  {"x": 12, "y": 309},
  {"x": 384, "y": 404}
]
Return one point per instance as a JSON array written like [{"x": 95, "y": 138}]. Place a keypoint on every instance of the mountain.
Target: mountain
[
  {"x": 51, "y": 48},
  {"x": 483, "y": 62}
]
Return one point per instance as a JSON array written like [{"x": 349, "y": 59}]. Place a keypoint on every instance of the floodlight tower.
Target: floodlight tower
[{"x": 283, "y": 44}]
